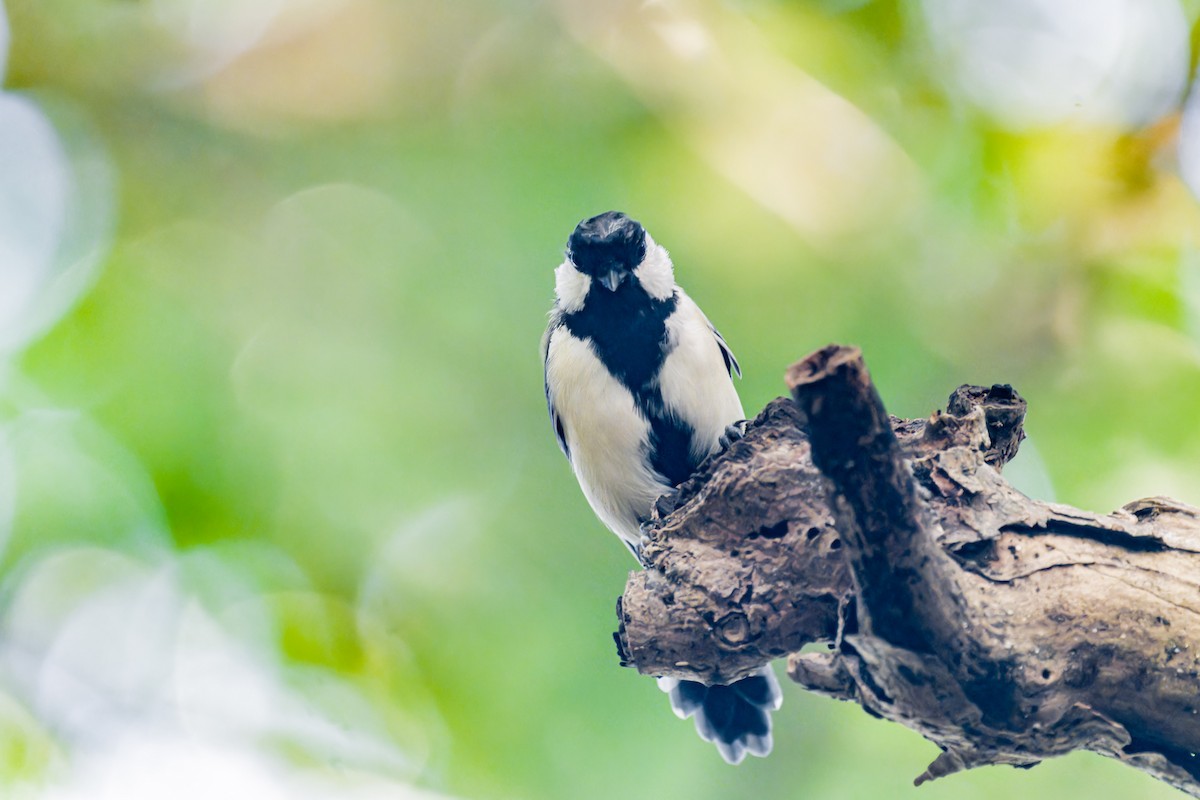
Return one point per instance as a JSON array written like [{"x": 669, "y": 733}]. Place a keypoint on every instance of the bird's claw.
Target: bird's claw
[
  {"x": 733, "y": 433},
  {"x": 640, "y": 547},
  {"x": 643, "y": 540}
]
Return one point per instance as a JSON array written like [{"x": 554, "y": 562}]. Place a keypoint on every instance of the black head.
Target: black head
[{"x": 608, "y": 247}]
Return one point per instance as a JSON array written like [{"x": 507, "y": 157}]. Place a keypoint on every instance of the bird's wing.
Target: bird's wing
[
  {"x": 555, "y": 420},
  {"x": 731, "y": 363}
]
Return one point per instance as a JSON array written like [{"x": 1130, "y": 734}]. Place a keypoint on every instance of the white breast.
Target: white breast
[{"x": 606, "y": 433}]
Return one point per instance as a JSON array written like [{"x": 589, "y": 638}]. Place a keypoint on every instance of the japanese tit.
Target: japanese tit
[{"x": 640, "y": 391}]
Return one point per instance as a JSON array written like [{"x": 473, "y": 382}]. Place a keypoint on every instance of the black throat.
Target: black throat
[
  {"x": 628, "y": 332},
  {"x": 627, "y": 329}
]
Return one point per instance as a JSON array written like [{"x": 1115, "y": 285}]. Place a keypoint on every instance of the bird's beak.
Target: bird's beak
[{"x": 612, "y": 279}]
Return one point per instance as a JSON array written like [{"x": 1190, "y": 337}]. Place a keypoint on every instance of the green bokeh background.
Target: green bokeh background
[{"x": 311, "y": 357}]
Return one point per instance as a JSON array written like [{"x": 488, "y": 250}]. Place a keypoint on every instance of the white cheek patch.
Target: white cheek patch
[
  {"x": 570, "y": 286},
  {"x": 655, "y": 273}
]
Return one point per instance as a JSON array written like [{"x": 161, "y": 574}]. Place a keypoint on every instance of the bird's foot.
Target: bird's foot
[
  {"x": 733, "y": 433},
  {"x": 643, "y": 541},
  {"x": 639, "y": 547}
]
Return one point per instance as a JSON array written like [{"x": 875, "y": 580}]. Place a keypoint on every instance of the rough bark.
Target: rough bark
[{"x": 1004, "y": 629}]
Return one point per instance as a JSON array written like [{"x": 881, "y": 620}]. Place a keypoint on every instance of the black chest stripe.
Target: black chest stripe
[
  {"x": 671, "y": 448},
  {"x": 628, "y": 332},
  {"x": 627, "y": 329}
]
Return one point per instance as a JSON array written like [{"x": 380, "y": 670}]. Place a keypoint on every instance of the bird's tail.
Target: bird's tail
[{"x": 736, "y": 718}]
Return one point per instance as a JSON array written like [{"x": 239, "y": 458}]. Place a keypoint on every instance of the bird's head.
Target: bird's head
[
  {"x": 612, "y": 251},
  {"x": 608, "y": 248}
]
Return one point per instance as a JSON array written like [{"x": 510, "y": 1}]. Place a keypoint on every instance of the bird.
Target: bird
[{"x": 639, "y": 386}]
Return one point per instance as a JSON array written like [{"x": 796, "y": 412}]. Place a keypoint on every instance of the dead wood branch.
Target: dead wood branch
[{"x": 1004, "y": 629}]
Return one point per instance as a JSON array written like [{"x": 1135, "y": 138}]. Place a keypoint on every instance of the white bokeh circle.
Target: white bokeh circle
[
  {"x": 1032, "y": 63},
  {"x": 56, "y": 213}
]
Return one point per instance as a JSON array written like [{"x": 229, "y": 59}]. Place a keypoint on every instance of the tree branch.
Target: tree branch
[
  {"x": 1004, "y": 629},
  {"x": 900, "y": 575}
]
